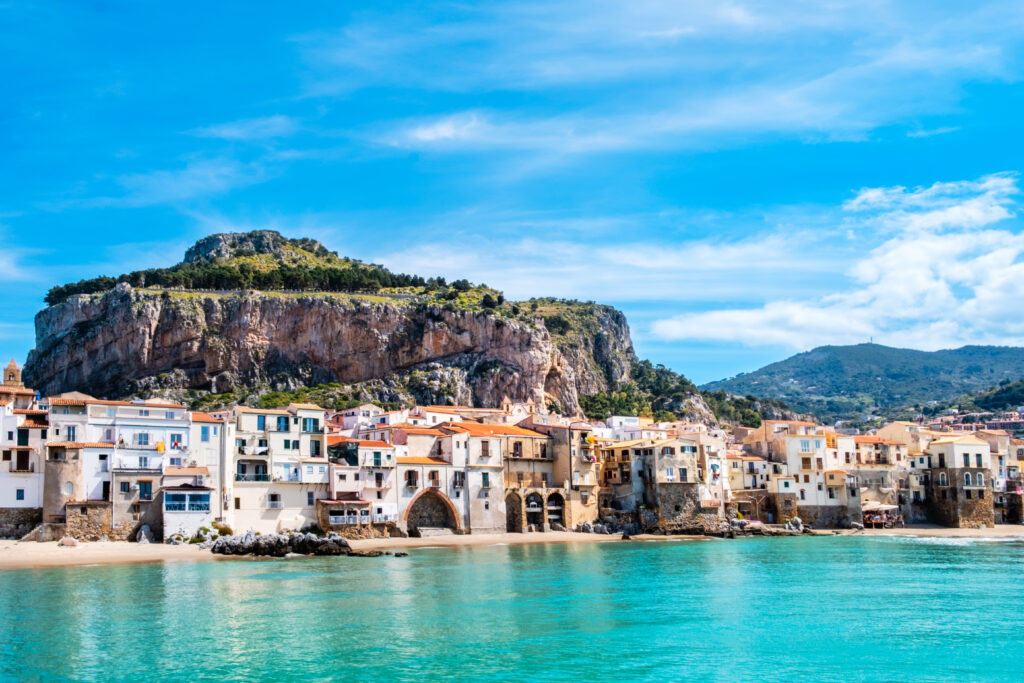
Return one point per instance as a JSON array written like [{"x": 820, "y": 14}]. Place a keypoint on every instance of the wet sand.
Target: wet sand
[{"x": 17, "y": 555}]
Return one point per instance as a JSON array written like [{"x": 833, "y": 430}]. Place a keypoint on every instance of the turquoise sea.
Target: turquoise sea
[{"x": 766, "y": 609}]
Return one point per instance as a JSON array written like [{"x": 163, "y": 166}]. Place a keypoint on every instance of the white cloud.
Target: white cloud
[
  {"x": 943, "y": 275},
  {"x": 197, "y": 179},
  {"x": 250, "y": 129}
]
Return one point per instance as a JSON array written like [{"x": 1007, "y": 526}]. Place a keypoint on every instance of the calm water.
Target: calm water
[{"x": 754, "y": 609}]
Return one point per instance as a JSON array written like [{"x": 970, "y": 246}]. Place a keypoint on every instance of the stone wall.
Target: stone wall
[
  {"x": 680, "y": 511},
  {"x": 950, "y": 506},
  {"x": 89, "y": 521},
  {"x": 824, "y": 515},
  {"x": 16, "y": 522}
]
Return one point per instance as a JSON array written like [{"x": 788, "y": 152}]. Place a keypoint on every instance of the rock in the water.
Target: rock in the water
[
  {"x": 401, "y": 554},
  {"x": 68, "y": 542}
]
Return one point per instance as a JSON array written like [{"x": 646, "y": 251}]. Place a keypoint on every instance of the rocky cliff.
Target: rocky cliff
[{"x": 128, "y": 341}]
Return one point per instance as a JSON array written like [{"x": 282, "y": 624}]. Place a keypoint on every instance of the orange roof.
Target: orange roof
[
  {"x": 413, "y": 460},
  {"x": 835, "y": 471},
  {"x": 28, "y": 411},
  {"x": 27, "y": 424},
  {"x": 264, "y": 411},
  {"x": 204, "y": 417},
  {"x": 423, "y": 431},
  {"x": 336, "y": 439},
  {"x": 66, "y": 401},
  {"x": 478, "y": 429},
  {"x": 187, "y": 471},
  {"x": 304, "y": 406},
  {"x": 792, "y": 422},
  {"x": 374, "y": 444},
  {"x": 142, "y": 404},
  {"x": 78, "y": 444},
  {"x": 21, "y": 391}
]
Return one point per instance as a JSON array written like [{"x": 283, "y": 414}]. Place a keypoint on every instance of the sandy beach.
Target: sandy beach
[{"x": 16, "y": 555}]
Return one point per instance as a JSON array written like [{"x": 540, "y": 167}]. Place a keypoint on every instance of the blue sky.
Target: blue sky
[{"x": 745, "y": 180}]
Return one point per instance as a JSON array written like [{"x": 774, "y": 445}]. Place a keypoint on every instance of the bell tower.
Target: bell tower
[{"x": 12, "y": 375}]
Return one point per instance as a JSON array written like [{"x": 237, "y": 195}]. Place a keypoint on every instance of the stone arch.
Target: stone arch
[
  {"x": 556, "y": 509},
  {"x": 430, "y": 508},
  {"x": 513, "y": 513},
  {"x": 535, "y": 509}
]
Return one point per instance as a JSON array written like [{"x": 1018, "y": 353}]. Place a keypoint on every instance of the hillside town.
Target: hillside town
[{"x": 149, "y": 470}]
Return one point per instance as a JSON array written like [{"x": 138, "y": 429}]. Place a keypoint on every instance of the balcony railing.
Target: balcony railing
[
  {"x": 251, "y": 477},
  {"x": 385, "y": 518},
  {"x": 22, "y": 470},
  {"x": 274, "y": 505}
]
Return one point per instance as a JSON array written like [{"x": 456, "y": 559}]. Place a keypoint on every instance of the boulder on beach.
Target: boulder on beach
[{"x": 67, "y": 542}]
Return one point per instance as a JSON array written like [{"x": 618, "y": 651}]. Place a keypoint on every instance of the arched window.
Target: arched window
[
  {"x": 967, "y": 479},
  {"x": 942, "y": 479},
  {"x": 980, "y": 479}
]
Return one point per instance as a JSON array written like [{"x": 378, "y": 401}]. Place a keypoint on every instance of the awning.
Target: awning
[{"x": 875, "y": 506}]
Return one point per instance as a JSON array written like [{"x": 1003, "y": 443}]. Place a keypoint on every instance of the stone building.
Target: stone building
[
  {"x": 573, "y": 450},
  {"x": 23, "y": 434},
  {"x": 959, "y": 488}
]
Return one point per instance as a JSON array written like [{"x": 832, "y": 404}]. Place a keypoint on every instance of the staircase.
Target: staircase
[{"x": 429, "y": 531}]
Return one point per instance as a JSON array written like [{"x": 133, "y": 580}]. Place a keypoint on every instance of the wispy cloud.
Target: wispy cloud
[
  {"x": 201, "y": 178},
  {"x": 262, "y": 128},
  {"x": 947, "y": 273}
]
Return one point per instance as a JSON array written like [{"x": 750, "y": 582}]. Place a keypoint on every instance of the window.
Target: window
[
  {"x": 261, "y": 422},
  {"x": 169, "y": 415},
  {"x": 820, "y": 487},
  {"x": 967, "y": 494},
  {"x": 942, "y": 479},
  {"x": 967, "y": 459},
  {"x": 310, "y": 498},
  {"x": 274, "y": 501},
  {"x": 807, "y": 479},
  {"x": 282, "y": 424},
  {"x": 978, "y": 459},
  {"x": 310, "y": 424},
  {"x": 805, "y": 463},
  {"x": 967, "y": 479},
  {"x": 803, "y": 496},
  {"x": 143, "y": 413},
  {"x": 459, "y": 480},
  {"x": 411, "y": 478},
  {"x": 204, "y": 433},
  {"x": 980, "y": 479},
  {"x": 19, "y": 494},
  {"x": 175, "y": 462},
  {"x": 176, "y": 440},
  {"x": 145, "y": 490},
  {"x": 376, "y": 459},
  {"x": 819, "y": 464},
  {"x": 805, "y": 446},
  {"x": 785, "y": 484},
  {"x": 831, "y": 492},
  {"x": 682, "y": 474},
  {"x": 143, "y": 462},
  {"x": 7, "y": 456},
  {"x": 69, "y": 489},
  {"x": 126, "y": 487},
  {"x": 485, "y": 449},
  {"x": 517, "y": 449},
  {"x": 70, "y": 433},
  {"x": 238, "y": 503},
  {"x": 485, "y": 480},
  {"x": 142, "y": 438}
]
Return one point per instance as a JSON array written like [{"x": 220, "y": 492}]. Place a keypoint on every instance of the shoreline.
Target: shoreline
[{"x": 30, "y": 555}]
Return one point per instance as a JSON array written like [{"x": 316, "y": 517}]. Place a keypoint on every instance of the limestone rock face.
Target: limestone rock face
[{"x": 125, "y": 341}]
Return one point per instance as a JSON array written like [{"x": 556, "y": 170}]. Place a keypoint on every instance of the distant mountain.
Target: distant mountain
[{"x": 847, "y": 382}]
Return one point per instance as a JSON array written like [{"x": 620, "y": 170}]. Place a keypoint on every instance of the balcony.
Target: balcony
[
  {"x": 274, "y": 505},
  {"x": 22, "y": 468},
  {"x": 252, "y": 477},
  {"x": 380, "y": 519}
]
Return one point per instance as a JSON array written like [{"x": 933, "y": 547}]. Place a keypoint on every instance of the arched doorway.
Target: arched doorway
[
  {"x": 513, "y": 513},
  {"x": 534, "y": 509},
  {"x": 430, "y": 510},
  {"x": 556, "y": 509}
]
